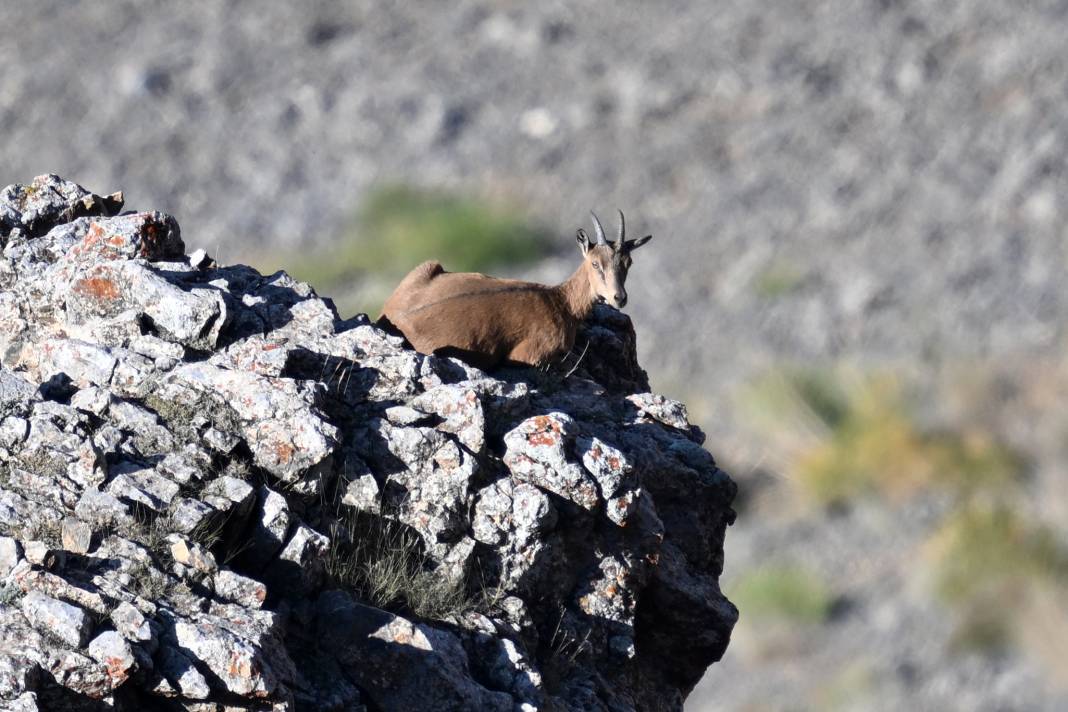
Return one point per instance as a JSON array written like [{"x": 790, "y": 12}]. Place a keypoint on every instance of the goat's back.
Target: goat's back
[
  {"x": 407, "y": 293},
  {"x": 482, "y": 319}
]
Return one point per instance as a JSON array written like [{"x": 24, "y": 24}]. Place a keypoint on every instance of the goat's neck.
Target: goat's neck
[{"x": 578, "y": 294}]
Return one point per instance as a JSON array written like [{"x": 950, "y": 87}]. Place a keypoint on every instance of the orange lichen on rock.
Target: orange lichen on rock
[{"x": 98, "y": 288}]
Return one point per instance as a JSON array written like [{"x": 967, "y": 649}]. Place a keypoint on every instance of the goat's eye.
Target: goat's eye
[{"x": 600, "y": 269}]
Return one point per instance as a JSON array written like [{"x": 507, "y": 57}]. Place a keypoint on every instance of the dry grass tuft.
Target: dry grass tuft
[{"x": 384, "y": 562}]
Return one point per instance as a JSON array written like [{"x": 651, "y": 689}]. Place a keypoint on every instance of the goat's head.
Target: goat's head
[{"x": 607, "y": 262}]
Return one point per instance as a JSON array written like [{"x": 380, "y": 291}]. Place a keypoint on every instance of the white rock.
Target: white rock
[
  {"x": 113, "y": 652},
  {"x": 10, "y": 553},
  {"x": 69, "y": 623}
]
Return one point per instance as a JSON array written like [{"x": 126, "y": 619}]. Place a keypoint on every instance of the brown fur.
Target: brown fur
[{"x": 488, "y": 321}]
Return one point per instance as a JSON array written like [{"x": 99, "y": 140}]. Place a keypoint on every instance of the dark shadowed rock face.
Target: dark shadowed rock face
[{"x": 186, "y": 450}]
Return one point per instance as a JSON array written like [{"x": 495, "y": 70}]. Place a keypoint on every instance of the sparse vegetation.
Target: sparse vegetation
[
  {"x": 44, "y": 462},
  {"x": 847, "y": 689},
  {"x": 842, "y": 435},
  {"x": 980, "y": 546},
  {"x": 565, "y": 647},
  {"x": 149, "y": 582},
  {"x": 9, "y": 594},
  {"x": 148, "y": 529},
  {"x": 776, "y": 280},
  {"x": 238, "y": 469},
  {"x": 209, "y": 532},
  {"x": 46, "y": 529},
  {"x": 383, "y": 561},
  {"x": 184, "y": 418},
  {"x": 782, "y": 592},
  {"x": 399, "y": 227},
  {"x": 986, "y": 560}
]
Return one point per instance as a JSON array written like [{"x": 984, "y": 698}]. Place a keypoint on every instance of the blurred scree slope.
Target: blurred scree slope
[{"x": 856, "y": 282}]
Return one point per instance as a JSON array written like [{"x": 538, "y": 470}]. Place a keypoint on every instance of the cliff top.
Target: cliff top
[{"x": 215, "y": 492}]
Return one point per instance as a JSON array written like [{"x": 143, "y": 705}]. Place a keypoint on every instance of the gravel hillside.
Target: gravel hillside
[
  {"x": 900, "y": 162},
  {"x": 879, "y": 181}
]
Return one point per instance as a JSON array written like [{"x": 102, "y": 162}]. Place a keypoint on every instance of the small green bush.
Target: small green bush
[
  {"x": 843, "y": 435},
  {"x": 777, "y": 280},
  {"x": 399, "y": 227},
  {"x": 782, "y": 592},
  {"x": 985, "y": 559},
  {"x": 983, "y": 547}
]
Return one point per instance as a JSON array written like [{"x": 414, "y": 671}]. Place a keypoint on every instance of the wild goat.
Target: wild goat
[{"x": 488, "y": 321}]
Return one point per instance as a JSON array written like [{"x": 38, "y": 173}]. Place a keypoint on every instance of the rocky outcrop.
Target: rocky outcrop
[{"x": 216, "y": 493}]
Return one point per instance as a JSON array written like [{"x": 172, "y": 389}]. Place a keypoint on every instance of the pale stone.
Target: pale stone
[{"x": 68, "y": 623}]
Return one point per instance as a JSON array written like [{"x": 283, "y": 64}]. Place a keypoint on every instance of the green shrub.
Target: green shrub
[
  {"x": 782, "y": 592},
  {"x": 400, "y": 227},
  {"x": 842, "y": 435},
  {"x": 985, "y": 560},
  {"x": 777, "y": 280},
  {"x": 984, "y": 547}
]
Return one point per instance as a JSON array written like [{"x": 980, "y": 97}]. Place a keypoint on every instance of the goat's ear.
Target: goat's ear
[
  {"x": 630, "y": 245},
  {"x": 583, "y": 240}
]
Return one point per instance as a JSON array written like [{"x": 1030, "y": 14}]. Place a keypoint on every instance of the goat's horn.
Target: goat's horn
[
  {"x": 622, "y": 232},
  {"x": 599, "y": 229}
]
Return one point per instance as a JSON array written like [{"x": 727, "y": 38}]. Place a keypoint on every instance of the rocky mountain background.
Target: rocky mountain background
[{"x": 855, "y": 284}]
